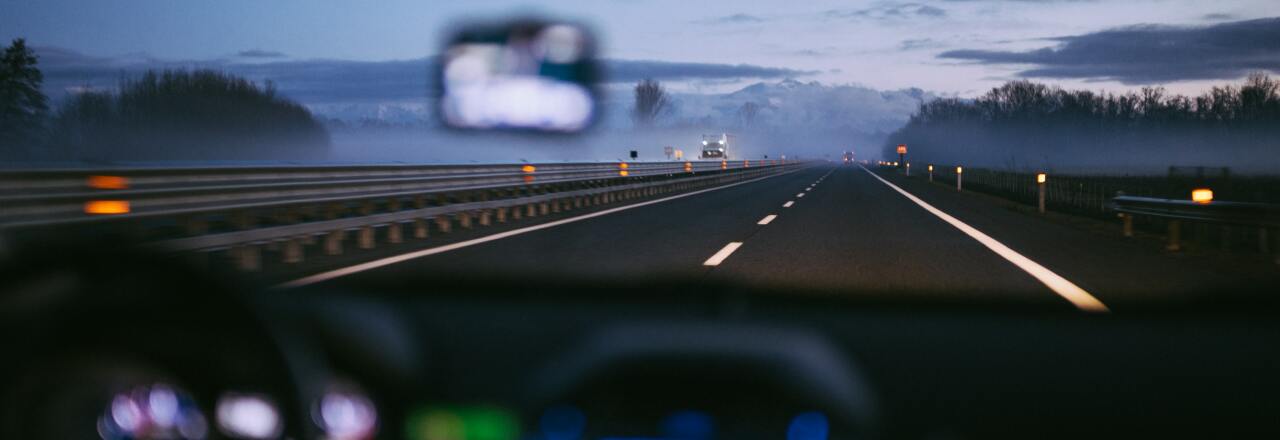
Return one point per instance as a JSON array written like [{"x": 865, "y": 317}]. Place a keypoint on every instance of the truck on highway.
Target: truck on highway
[{"x": 715, "y": 147}]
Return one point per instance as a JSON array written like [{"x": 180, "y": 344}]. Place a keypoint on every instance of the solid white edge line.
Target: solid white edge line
[
  {"x": 722, "y": 254},
  {"x": 767, "y": 219},
  {"x": 788, "y": 204},
  {"x": 800, "y": 195},
  {"x": 1066, "y": 289},
  {"x": 325, "y": 276}
]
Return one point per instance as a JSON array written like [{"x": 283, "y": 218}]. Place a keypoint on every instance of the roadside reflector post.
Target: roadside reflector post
[
  {"x": 107, "y": 182},
  {"x": 931, "y": 172},
  {"x": 1040, "y": 182},
  {"x": 1202, "y": 195},
  {"x": 908, "y": 167},
  {"x": 902, "y": 154},
  {"x": 959, "y": 173},
  {"x": 106, "y": 207}
]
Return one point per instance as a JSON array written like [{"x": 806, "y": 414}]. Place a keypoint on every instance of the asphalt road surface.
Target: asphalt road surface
[{"x": 836, "y": 230}]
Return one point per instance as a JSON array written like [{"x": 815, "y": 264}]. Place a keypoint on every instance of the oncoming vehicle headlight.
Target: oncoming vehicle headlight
[{"x": 248, "y": 416}]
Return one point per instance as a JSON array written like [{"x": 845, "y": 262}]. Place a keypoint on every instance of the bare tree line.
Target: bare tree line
[{"x": 1023, "y": 123}]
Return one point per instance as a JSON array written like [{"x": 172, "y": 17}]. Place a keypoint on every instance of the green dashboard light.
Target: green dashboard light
[{"x": 462, "y": 423}]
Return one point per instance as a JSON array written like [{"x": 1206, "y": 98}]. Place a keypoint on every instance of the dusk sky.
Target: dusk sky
[{"x": 949, "y": 47}]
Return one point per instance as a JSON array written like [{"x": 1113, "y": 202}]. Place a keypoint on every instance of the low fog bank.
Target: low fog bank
[
  {"x": 426, "y": 145},
  {"x": 1024, "y": 126}
]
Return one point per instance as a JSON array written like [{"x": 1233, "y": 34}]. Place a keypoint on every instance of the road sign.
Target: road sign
[
  {"x": 669, "y": 151},
  {"x": 635, "y": 154}
]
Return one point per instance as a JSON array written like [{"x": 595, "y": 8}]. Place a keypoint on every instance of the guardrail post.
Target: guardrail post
[
  {"x": 1175, "y": 236},
  {"x": 247, "y": 258},
  {"x": 443, "y": 223},
  {"x": 420, "y": 229},
  {"x": 1127, "y": 219},
  {"x": 395, "y": 233},
  {"x": 364, "y": 238},
  {"x": 543, "y": 209},
  {"x": 464, "y": 220},
  {"x": 333, "y": 243},
  {"x": 485, "y": 217},
  {"x": 195, "y": 225},
  {"x": 292, "y": 251},
  {"x": 501, "y": 214}
]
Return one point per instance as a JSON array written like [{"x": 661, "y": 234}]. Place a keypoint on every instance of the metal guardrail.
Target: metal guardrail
[
  {"x": 1263, "y": 216},
  {"x": 29, "y": 198},
  {"x": 245, "y": 211},
  {"x": 1235, "y": 213}
]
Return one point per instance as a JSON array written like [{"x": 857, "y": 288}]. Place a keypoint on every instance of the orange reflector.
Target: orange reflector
[
  {"x": 746, "y": 164},
  {"x": 724, "y": 165},
  {"x": 528, "y": 168},
  {"x": 106, "y": 207},
  {"x": 108, "y": 182},
  {"x": 623, "y": 165},
  {"x": 688, "y": 166},
  {"x": 1202, "y": 195},
  {"x": 528, "y": 179},
  {"x": 902, "y": 148},
  {"x": 1040, "y": 178},
  {"x": 623, "y": 173}
]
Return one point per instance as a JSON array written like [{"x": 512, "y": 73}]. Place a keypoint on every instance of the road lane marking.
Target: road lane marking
[
  {"x": 788, "y": 204},
  {"x": 800, "y": 195},
  {"x": 724, "y": 252},
  {"x": 362, "y": 267},
  {"x": 1066, "y": 289},
  {"x": 767, "y": 219}
]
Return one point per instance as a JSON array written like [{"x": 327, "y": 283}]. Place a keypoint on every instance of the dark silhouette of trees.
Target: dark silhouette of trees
[
  {"x": 651, "y": 100},
  {"x": 22, "y": 106},
  {"x": 1022, "y": 124},
  {"x": 175, "y": 114}
]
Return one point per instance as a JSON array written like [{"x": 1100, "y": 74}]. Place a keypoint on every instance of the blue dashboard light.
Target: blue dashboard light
[
  {"x": 562, "y": 423},
  {"x": 808, "y": 426},
  {"x": 688, "y": 425}
]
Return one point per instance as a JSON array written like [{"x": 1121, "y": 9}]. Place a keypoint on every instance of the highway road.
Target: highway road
[{"x": 826, "y": 230}]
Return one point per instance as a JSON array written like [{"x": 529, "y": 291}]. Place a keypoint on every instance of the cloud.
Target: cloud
[
  {"x": 919, "y": 43},
  {"x": 888, "y": 11},
  {"x": 259, "y": 53},
  {"x": 738, "y": 18},
  {"x": 635, "y": 70},
  {"x": 1145, "y": 54}
]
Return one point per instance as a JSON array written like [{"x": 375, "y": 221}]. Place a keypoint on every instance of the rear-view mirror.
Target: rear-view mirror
[{"x": 523, "y": 75}]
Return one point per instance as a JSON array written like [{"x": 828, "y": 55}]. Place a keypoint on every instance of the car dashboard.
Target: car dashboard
[{"x": 148, "y": 348}]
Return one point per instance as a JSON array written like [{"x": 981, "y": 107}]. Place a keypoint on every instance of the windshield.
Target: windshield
[{"x": 1088, "y": 155}]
